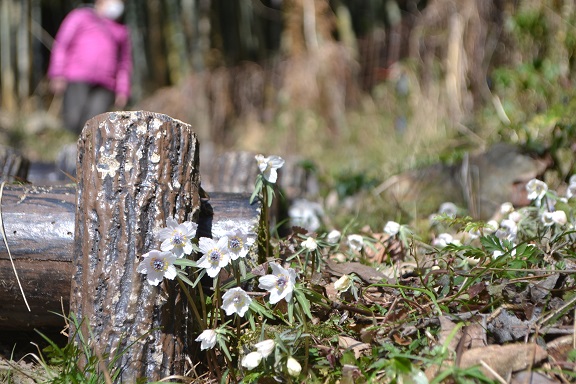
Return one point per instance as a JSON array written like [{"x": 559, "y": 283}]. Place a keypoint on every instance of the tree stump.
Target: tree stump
[{"x": 134, "y": 170}]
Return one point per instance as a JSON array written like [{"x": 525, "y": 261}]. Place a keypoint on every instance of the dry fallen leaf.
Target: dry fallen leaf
[
  {"x": 531, "y": 378},
  {"x": 504, "y": 359},
  {"x": 446, "y": 335},
  {"x": 354, "y": 345},
  {"x": 366, "y": 273}
]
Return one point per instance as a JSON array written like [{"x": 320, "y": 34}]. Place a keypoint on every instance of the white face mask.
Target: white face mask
[{"x": 113, "y": 9}]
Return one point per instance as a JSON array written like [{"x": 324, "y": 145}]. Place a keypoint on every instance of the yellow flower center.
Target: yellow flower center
[{"x": 158, "y": 264}]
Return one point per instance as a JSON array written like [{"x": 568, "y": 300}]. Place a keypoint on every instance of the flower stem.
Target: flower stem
[
  {"x": 199, "y": 318},
  {"x": 263, "y": 230},
  {"x": 216, "y": 300},
  {"x": 306, "y": 341},
  {"x": 236, "y": 348},
  {"x": 266, "y": 224}
]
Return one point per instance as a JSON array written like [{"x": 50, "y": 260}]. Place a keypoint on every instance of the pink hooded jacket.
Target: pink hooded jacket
[{"x": 92, "y": 49}]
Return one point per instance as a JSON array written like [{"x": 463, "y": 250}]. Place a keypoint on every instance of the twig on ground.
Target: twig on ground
[
  {"x": 493, "y": 372},
  {"x": 8, "y": 249}
]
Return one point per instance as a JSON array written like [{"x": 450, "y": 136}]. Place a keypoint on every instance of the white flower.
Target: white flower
[
  {"x": 506, "y": 208},
  {"x": 556, "y": 217},
  {"x": 280, "y": 283},
  {"x": 294, "y": 368},
  {"x": 355, "y": 242},
  {"x": 559, "y": 217},
  {"x": 392, "y": 228},
  {"x": 251, "y": 360},
  {"x": 474, "y": 234},
  {"x": 507, "y": 230},
  {"x": 265, "y": 347},
  {"x": 236, "y": 300},
  {"x": 310, "y": 244},
  {"x": 536, "y": 189},
  {"x": 224, "y": 228},
  {"x": 306, "y": 214},
  {"x": 240, "y": 239},
  {"x": 239, "y": 244},
  {"x": 157, "y": 265},
  {"x": 333, "y": 236},
  {"x": 547, "y": 218},
  {"x": 491, "y": 226},
  {"x": 496, "y": 254},
  {"x": 343, "y": 283},
  {"x": 268, "y": 166},
  {"x": 177, "y": 237},
  {"x": 449, "y": 209},
  {"x": 571, "y": 190},
  {"x": 207, "y": 338},
  {"x": 215, "y": 255},
  {"x": 443, "y": 240},
  {"x": 515, "y": 216}
]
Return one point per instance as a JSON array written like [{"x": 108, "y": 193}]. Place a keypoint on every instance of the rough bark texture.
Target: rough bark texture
[
  {"x": 134, "y": 170},
  {"x": 39, "y": 224}
]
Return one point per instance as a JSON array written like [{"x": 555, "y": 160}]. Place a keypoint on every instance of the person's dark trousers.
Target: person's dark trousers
[{"x": 83, "y": 101}]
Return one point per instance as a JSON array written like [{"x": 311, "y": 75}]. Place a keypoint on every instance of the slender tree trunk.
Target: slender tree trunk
[
  {"x": 6, "y": 69},
  {"x": 23, "y": 51}
]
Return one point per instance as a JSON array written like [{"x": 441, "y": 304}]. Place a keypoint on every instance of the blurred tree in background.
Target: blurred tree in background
[{"x": 215, "y": 63}]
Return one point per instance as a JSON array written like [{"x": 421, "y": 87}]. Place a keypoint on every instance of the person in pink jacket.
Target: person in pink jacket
[{"x": 91, "y": 62}]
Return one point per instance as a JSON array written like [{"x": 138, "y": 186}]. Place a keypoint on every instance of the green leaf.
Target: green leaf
[
  {"x": 291, "y": 311},
  {"x": 258, "y": 308},
  {"x": 492, "y": 243},
  {"x": 257, "y": 188},
  {"x": 182, "y": 277},
  {"x": 270, "y": 194},
  {"x": 185, "y": 262},
  {"x": 224, "y": 347},
  {"x": 303, "y": 302},
  {"x": 401, "y": 364},
  {"x": 185, "y": 279}
]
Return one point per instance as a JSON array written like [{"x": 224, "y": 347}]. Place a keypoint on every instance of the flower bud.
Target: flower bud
[
  {"x": 294, "y": 368},
  {"x": 343, "y": 283},
  {"x": 355, "y": 242},
  {"x": 265, "y": 347},
  {"x": 310, "y": 244},
  {"x": 391, "y": 228},
  {"x": 207, "y": 339},
  {"x": 251, "y": 360},
  {"x": 334, "y": 236}
]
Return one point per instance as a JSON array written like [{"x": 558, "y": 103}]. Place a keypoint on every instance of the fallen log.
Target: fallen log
[
  {"x": 39, "y": 224},
  {"x": 39, "y": 227}
]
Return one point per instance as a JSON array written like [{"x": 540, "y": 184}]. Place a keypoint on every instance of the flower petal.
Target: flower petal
[{"x": 267, "y": 282}]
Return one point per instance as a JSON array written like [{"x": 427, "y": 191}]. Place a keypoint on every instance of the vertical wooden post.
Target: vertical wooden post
[{"x": 134, "y": 170}]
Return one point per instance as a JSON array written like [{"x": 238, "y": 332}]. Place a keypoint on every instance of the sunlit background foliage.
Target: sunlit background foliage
[{"x": 364, "y": 90}]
